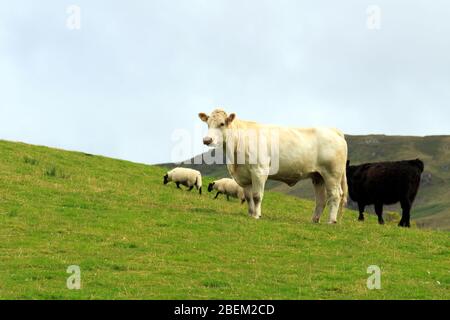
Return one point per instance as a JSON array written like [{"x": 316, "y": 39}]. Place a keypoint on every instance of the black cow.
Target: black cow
[{"x": 385, "y": 183}]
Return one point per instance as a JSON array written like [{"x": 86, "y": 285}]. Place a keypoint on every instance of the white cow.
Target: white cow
[{"x": 283, "y": 154}]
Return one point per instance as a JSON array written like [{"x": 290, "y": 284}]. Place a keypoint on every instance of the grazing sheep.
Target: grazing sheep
[
  {"x": 228, "y": 187},
  {"x": 187, "y": 177}
]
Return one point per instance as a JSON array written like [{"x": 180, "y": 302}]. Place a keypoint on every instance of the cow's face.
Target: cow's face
[
  {"x": 210, "y": 186},
  {"x": 166, "y": 179},
  {"x": 217, "y": 122}
]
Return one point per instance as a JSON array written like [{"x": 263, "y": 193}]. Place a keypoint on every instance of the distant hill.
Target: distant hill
[{"x": 432, "y": 206}]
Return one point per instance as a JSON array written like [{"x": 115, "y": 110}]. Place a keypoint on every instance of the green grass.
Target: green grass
[{"x": 135, "y": 238}]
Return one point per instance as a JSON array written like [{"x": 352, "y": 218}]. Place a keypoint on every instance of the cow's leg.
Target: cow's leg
[
  {"x": 361, "y": 208},
  {"x": 228, "y": 197},
  {"x": 178, "y": 185},
  {"x": 217, "y": 194},
  {"x": 379, "y": 212},
  {"x": 258, "y": 184},
  {"x": 334, "y": 193},
  {"x": 249, "y": 198},
  {"x": 321, "y": 199},
  {"x": 406, "y": 208},
  {"x": 190, "y": 188}
]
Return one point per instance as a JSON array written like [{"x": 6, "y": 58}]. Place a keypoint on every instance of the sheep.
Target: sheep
[
  {"x": 229, "y": 187},
  {"x": 186, "y": 177}
]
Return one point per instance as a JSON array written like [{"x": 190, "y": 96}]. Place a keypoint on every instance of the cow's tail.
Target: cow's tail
[{"x": 344, "y": 197}]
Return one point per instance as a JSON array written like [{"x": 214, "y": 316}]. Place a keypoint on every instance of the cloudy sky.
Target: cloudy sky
[{"x": 137, "y": 73}]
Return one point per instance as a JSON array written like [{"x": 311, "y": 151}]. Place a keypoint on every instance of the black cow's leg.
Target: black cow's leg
[
  {"x": 379, "y": 212},
  {"x": 228, "y": 197},
  {"x": 361, "y": 208},
  {"x": 190, "y": 188},
  {"x": 406, "y": 208},
  {"x": 217, "y": 194},
  {"x": 178, "y": 185}
]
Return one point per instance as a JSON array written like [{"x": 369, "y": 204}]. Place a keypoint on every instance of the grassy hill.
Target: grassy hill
[
  {"x": 135, "y": 238},
  {"x": 432, "y": 205}
]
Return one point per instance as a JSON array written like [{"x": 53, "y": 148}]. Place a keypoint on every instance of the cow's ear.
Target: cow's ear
[
  {"x": 203, "y": 116},
  {"x": 230, "y": 118}
]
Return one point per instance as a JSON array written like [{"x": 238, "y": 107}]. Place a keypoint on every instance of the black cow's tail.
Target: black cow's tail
[{"x": 418, "y": 163}]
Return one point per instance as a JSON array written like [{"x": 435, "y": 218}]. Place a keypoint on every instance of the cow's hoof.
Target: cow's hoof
[
  {"x": 332, "y": 222},
  {"x": 361, "y": 219},
  {"x": 381, "y": 222},
  {"x": 315, "y": 220}
]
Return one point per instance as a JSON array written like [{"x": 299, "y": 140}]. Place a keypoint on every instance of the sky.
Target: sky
[{"x": 130, "y": 81}]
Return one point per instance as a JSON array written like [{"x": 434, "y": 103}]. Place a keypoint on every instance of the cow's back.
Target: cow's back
[
  {"x": 304, "y": 151},
  {"x": 298, "y": 153}
]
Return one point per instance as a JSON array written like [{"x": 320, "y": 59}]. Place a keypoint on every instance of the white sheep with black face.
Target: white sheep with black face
[
  {"x": 187, "y": 177},
  {"x": 228, "y": 187}
]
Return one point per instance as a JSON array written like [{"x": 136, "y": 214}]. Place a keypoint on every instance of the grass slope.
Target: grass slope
[{"x": 135, "y": 238}]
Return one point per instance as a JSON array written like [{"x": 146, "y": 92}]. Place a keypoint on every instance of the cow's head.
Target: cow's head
[
  {"x": 217, "y": 122},
  {"x": 210, "y": 186},
  {"x": 166, "y": 179}
]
